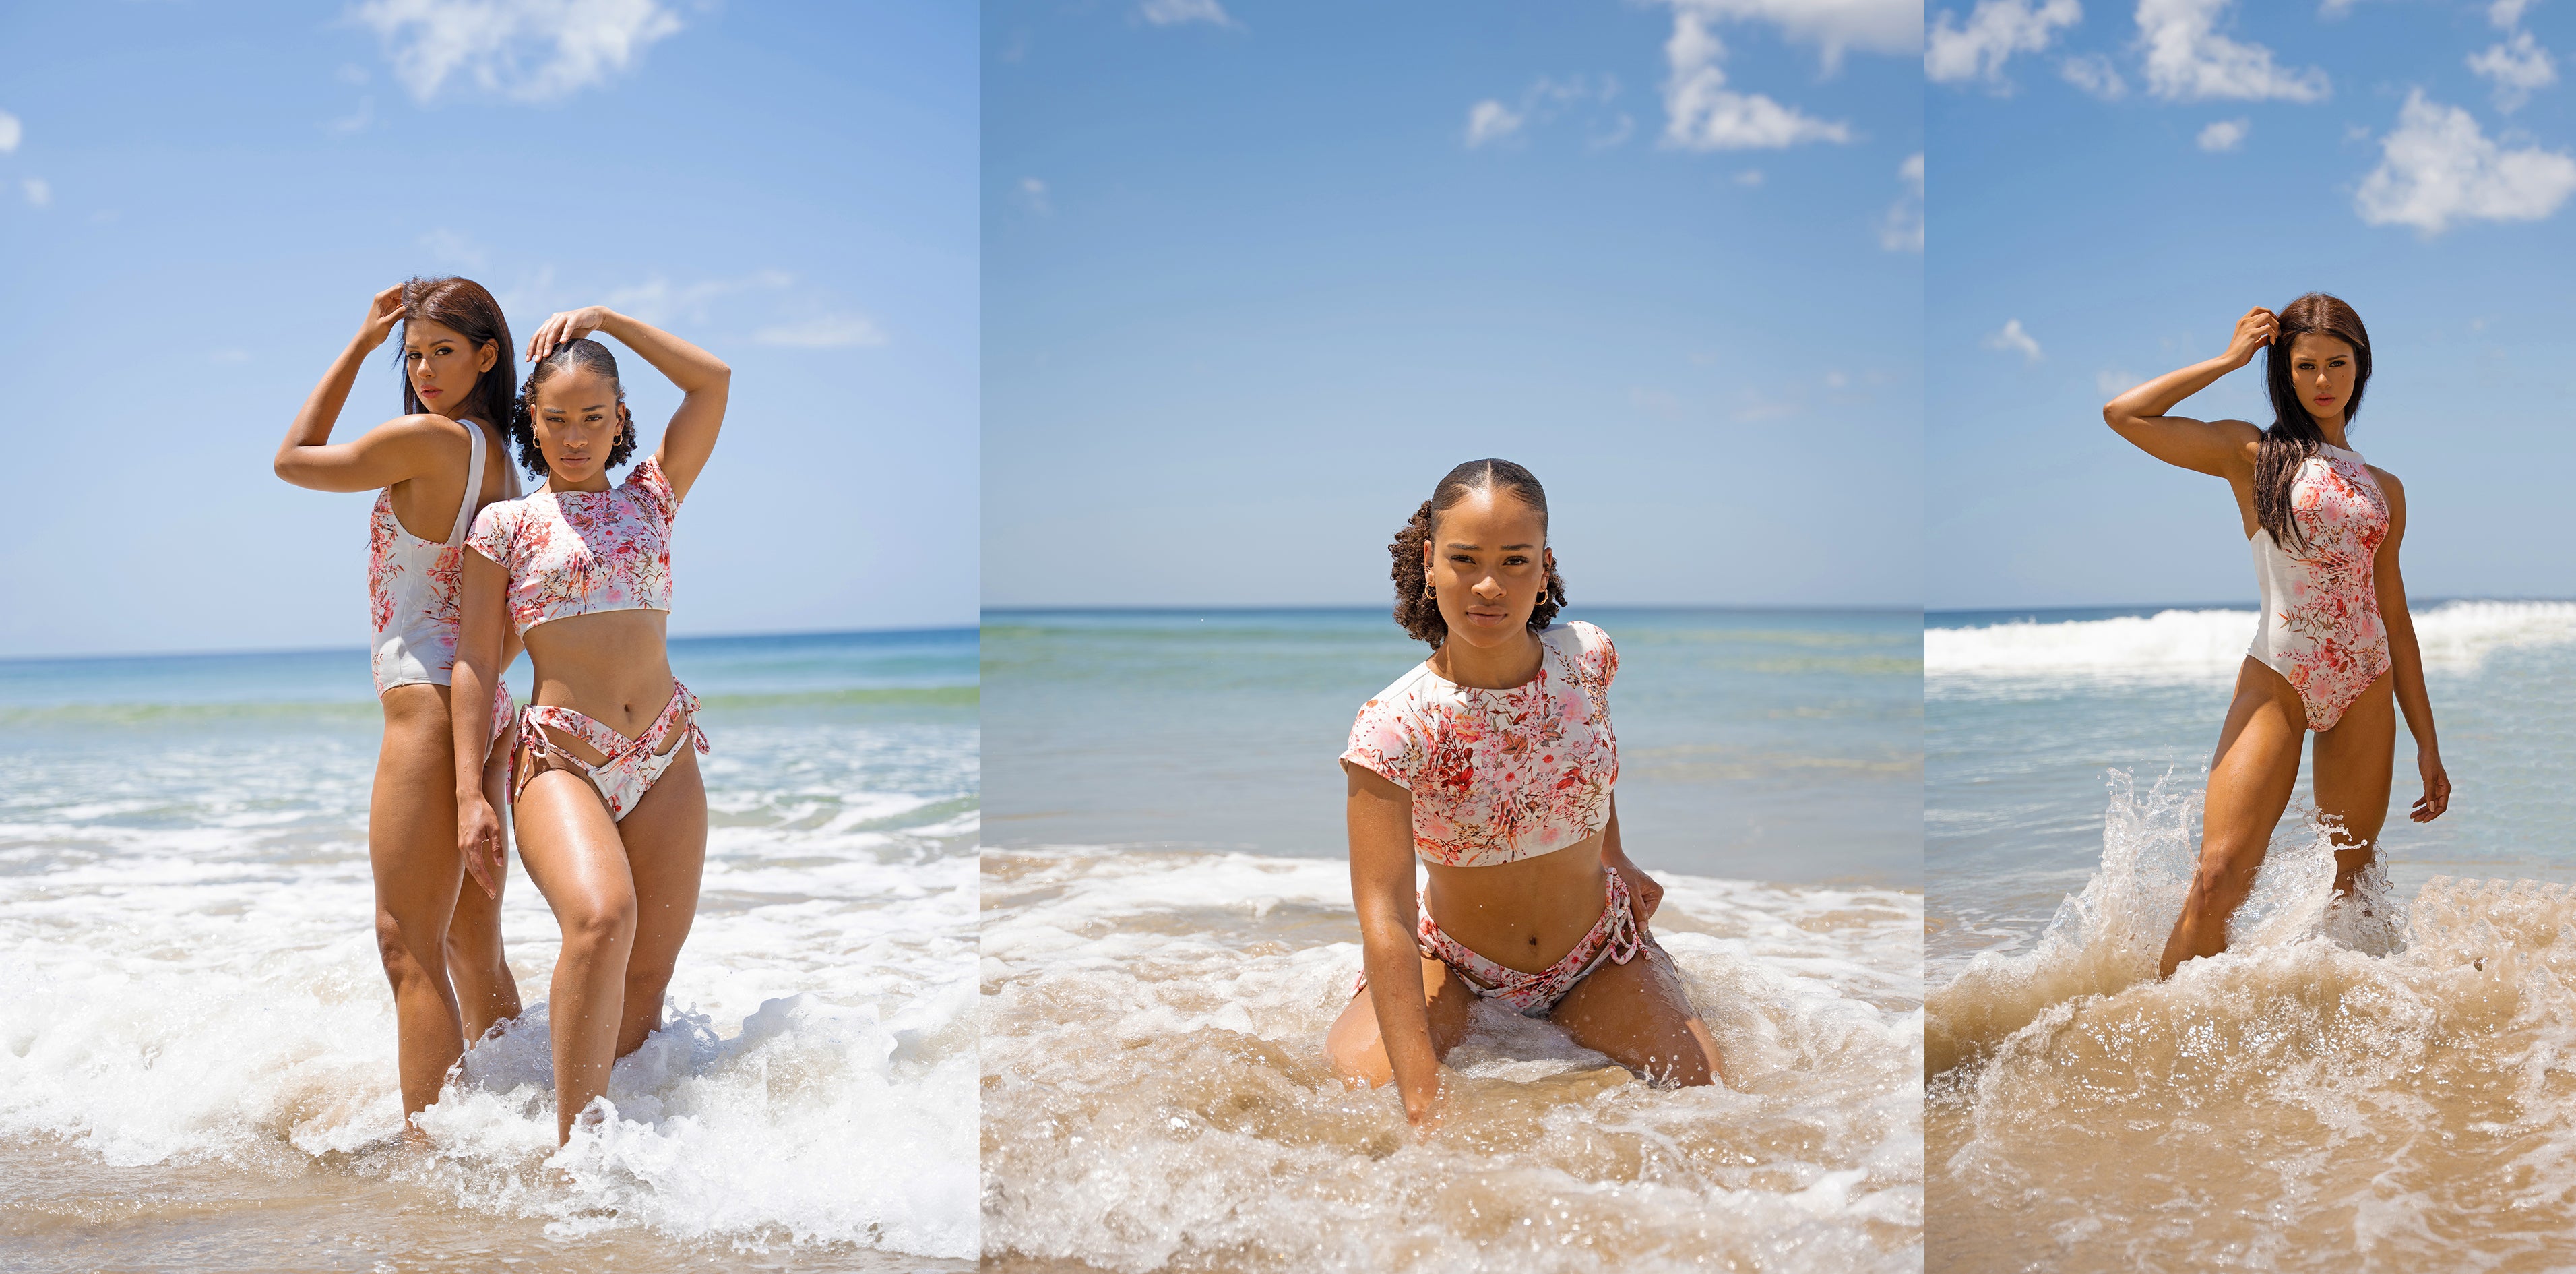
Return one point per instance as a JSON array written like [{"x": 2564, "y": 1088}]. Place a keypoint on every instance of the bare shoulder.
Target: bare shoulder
[{"x": 2389, "y": 486}]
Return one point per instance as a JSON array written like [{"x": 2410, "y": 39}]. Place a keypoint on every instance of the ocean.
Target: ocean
[
  {"x": 2385, "y": 1085},
  {"x": 1168, "y": 933},
  {"x": 197, "y": 1046}
]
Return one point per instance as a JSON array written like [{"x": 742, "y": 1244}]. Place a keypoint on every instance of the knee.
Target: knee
[
  {"x": 396, "y": 950},
  {"x": 2224, "y": 877},
  {"x": 600, "y": 924},
  {"x": 1680, "y": 1063}
]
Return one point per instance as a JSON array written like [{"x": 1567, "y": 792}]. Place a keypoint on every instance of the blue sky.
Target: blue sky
[
  {"x": 1258, "y": 273},
  {"x": 197, "y": 200},
  {"x": 2124, "y": 182}
]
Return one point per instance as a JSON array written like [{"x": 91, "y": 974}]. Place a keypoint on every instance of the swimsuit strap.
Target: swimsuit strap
[{"x": 473, "y": 484}]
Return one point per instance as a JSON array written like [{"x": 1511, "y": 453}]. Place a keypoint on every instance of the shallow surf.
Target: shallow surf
[{"x": 1156, "y": 1096}]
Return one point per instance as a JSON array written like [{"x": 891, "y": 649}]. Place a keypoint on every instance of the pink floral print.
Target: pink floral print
[
  {"x": 2322, "y": 630},
  {"x": 1500, "y": 775},
  {"x": 575, "y": 552}
]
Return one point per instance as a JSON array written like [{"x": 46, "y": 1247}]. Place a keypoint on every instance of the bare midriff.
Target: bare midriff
[
  {"x": 613, "y": 667},
  {"x": 1523, "y": 915}
]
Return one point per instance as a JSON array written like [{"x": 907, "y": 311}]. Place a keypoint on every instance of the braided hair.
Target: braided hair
[
  {"x": 585, "y": 355},
  {"x": 1416, "y": 610}
]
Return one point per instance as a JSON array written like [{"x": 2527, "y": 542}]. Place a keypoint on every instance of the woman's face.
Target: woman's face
[
  {"x": 443, "y": 365},
  {"x": 1487, "y": 562},
  {"x": 2323, "y": 369},
  {"x": 575, "y": 419}
]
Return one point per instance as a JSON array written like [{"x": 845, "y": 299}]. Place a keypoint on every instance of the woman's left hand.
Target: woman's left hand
[
  {"x": 2437, "y": 787},
  {"x": 565, "y": 328},
  {"x": 1644, "y": 895}
]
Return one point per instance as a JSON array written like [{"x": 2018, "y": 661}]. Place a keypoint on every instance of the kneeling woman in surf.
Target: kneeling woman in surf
[
  {"x": 1494, "y": 762},
  {"x": 433, "y": 468},
  {"x": 611, "y": 815},
  {"x": 2334, "y": 638}
]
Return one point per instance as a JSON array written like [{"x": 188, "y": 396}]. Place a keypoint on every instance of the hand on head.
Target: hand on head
[
  {"x": 382, "y": 313},
  {"x": 564, "y": 328},
  {"x": 2254, "y": 331}
]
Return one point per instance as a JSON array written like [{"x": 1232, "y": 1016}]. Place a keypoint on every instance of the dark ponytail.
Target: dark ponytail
[
  {"x": 2294, "y": 435},
  {"x": 1416, "y": 610},
  {"x": 589, "y": 356}
]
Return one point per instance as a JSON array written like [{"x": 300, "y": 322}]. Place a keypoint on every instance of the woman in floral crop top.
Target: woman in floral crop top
[
  {"x": 1493, "y": 762},
  {"x": 612, "y": 817}
]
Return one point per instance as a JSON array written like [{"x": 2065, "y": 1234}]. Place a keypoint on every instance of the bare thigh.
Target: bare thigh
[
  {"x": 2256, "y": 768},
  {"x": 1640, "y": 1016},
  {"x": 666, "y": 856},
  {"x": 571, "y": 849},
  {"x": 2352, "y": 776},
  {"x": 1358, "y": 1048}
]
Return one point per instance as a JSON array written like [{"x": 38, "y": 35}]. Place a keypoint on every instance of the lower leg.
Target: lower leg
[
  {"x": 2250, "y": 782},
  {"x": 2352, "y": 776},
  {"x": 588, "y": 1000},
  {"x": 486, "y": 992}
]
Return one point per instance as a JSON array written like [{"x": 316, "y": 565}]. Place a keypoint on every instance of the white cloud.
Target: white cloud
[
  {"x": 1164, "y": 13},
  {"x": 2189, "y": 61},
  {"x": 2507, "y": 14},
  {"x": 2437, "y": 168},
  {"x": 10, "y": 133},
  {"x": 837, "y": 331},
  {"x": 2094, "y": 74},
  {"x": 39, "y": 192},
  {"x": 1617, "y": 136},
  {"x": 1995, "y": 31},
  {"x": 2226, "y": 134},
  {"x": 447, "y": 247},
  {"x": 529, "y": 51},
  {"x": 1033, "y": 196},
  {"x": 2114, "y": 382},
  {"x": 2010, "y": 337},
  {"x": 1901, "y": 230},
  {"x": 1703, "y": 114},
  {"x": 656, "y": 301},
  {"x": 351, "y": 73},
  {"x": 1833, "y": 26},
  {"x": 1490, "y": 120},
  {"x": 233, "y": 355},
  {"x": 2518, "y": 66},
  {"x": 1749, "y": 177}
]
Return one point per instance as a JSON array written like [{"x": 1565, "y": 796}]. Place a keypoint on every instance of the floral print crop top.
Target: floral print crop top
[
  {"x": 577, "y": 552},
  {"x": 1500, "y": 775}
]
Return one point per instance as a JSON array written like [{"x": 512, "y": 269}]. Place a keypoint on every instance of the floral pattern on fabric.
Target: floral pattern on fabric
[
  {"x": 1500, "y": 775},
  {"x": 2326, "y": 635},
  {"x": 402, "y": 565},
  {"x": 575, "y": 552}
]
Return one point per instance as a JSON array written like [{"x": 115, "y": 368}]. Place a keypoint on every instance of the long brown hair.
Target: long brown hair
[
  {"x": 1416, "y": 610},
  {"x": 2294, "y": 435},
  {"x": 462, "y": 306}
]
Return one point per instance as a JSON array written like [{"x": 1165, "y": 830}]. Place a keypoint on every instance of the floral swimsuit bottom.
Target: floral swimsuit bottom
[{"x": 1615, "y": 937}]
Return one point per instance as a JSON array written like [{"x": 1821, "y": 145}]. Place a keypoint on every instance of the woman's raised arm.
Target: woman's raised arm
[
  {"x": 400, "y": 448},
  {"x": 2202, "y": 446},
  {"x": 703, "y": 380}
]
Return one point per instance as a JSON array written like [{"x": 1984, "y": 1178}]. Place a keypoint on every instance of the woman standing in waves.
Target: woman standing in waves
[
  {"x": 1493, "y": 761},
  {"x": 437, "y": 465},
  {"x": 612, "y": 818},
  {"x": 2334, "y": 637}
]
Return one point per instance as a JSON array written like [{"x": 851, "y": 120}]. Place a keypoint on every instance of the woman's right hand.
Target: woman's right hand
[
  {"x": 2253, "y": 332},
  {"x": 382, "y": 313},
  {"x": 1423, "y": 1106},
  {"x": 478, "y": 841}
]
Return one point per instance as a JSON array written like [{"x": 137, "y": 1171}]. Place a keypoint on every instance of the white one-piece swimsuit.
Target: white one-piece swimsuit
[
  {"x": 2320, "y": 627},
  {"x": 412, "y": 587}
]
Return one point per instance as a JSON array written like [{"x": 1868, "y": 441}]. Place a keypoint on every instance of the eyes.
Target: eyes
[{"x": 1509, "y": 559}]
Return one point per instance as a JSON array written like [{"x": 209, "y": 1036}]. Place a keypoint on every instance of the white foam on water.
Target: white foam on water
[
  {"x": 2354, "y": 1081},
  {"x": 2189, "y": 646},
  {"x": 193, "y": 980},
  {"x": 1156, "y": 1093}
]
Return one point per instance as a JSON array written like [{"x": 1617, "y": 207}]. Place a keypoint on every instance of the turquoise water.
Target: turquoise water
[
  {"x": 197, "y": 1011},
  {"x": 1765, "y": 745}
]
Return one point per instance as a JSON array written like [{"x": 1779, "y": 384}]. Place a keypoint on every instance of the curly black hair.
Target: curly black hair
[
  {"x": 1416, "y": 610},
  {"x": 587, "y": 355}
]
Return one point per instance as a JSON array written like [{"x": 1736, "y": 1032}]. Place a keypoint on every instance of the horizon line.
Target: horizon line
[{"x": 362, "y": 650}]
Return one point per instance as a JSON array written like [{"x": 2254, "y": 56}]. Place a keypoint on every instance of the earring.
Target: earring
[{"x": 1430, "y": 591}]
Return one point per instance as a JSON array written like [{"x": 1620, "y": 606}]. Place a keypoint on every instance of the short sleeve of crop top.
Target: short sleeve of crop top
[
  {"x": 495, "y": 530},
  {"x": 1499, "y": 774}
]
